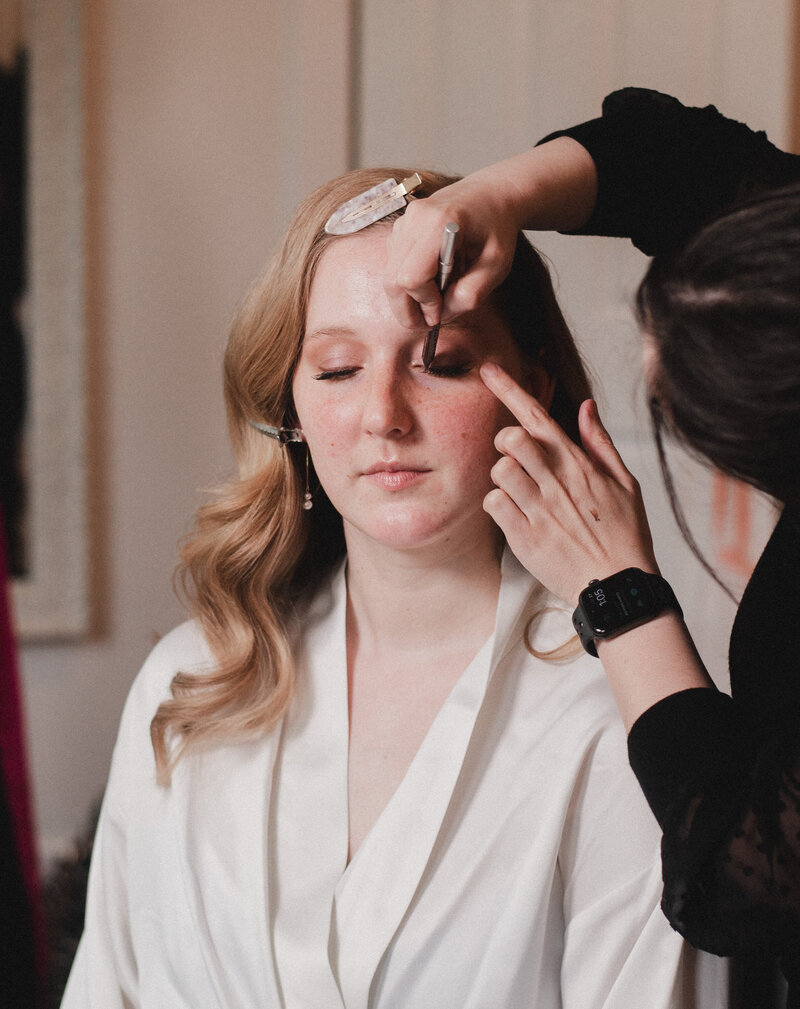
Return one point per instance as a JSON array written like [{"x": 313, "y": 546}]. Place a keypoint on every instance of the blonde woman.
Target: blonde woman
[{"x": 374, "y": 770}]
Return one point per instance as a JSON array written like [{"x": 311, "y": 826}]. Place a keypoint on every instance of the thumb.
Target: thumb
[{"x": 597, "y": 442}]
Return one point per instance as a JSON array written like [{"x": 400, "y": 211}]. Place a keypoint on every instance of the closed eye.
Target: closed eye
[
  {"x": 445, "y": 370},
  {"x": 333, "y": 375}
]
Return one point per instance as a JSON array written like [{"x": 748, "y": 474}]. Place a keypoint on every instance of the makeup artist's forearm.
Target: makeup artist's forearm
[
  {"x": 649, "y": 663},
  {"x": 552, "y": 187}
]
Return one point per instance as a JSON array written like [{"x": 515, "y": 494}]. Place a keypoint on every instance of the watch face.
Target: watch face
[{"x": 619, "y": 601}]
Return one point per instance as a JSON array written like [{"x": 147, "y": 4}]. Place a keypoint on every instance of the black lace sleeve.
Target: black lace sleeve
[
  {"x": 722, "y": 775},
  {"x": 730, "y": 811},
  {"x": 664, "y": 168}
]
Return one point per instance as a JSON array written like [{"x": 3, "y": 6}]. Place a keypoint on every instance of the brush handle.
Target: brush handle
[
  {"x": 447, "y": 257},
  {"x": 447, "y": 253}
]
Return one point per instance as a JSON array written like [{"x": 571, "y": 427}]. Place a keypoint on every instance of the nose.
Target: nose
[{"x": 387, "y": 410}]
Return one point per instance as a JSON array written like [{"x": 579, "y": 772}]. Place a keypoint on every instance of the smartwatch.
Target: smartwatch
[{"x": 610, "y": 606}]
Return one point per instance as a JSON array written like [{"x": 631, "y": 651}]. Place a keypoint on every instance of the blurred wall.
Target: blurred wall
[{"x": 206, "y": 123}]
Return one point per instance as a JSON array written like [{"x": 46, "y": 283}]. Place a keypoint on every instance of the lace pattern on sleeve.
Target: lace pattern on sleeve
[{"x": 732, "y": 869}]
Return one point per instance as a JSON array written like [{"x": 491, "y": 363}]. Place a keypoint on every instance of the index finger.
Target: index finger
[
  {"x": 526, "y": 408},
  {"x": 412, "y": 265},
  {"x": 414, "y": 308}
]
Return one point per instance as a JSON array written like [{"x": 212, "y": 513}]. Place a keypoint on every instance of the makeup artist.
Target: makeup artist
[{"x": 719, "y": 308}]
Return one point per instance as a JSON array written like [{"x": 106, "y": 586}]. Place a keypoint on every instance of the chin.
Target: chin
[
  {"x": 411, "y": 533},
  {"x": 402, "y": 537}
]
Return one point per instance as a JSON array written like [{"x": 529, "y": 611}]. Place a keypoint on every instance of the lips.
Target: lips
[
  {"x": 393, "y": 467},
  {"x": 394, "y": 475}
]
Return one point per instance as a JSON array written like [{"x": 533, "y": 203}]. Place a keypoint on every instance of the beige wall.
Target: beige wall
[{"x": 206, "y": 122}]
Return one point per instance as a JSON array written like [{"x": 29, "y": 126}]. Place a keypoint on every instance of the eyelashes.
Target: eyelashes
[
  {"x": 449, "y": 370},
  {"x": 332, "y": 376},
  {"x": 443, "y": 370}
]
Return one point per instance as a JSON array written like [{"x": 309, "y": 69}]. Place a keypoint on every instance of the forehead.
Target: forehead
[
  {"x": 348, "y": 284},
  {"x": 347, "y": 288},
  {"x": 353, "y": 259}
]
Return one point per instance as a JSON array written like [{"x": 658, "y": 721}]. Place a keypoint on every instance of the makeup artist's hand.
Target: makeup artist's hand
[
  {"x": 486, "y": 211},
  {"x": 550, "y": 187},
  {"x": 568, "y": 514}
]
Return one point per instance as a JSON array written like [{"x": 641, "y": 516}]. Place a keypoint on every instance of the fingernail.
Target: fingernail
[{"x": 489, "y": 370}]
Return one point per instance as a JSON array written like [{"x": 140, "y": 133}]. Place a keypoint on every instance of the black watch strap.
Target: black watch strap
[{"x": 610, "y": 606}]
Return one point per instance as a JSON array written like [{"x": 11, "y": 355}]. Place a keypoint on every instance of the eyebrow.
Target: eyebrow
[{"x": 330, "y": 331}]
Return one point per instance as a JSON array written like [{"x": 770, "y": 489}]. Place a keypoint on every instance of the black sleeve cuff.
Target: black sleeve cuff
[{"x": 685, "y": 742}]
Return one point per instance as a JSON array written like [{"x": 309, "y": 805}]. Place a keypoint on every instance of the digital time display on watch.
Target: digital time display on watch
[{"x": 619, "y": 603}]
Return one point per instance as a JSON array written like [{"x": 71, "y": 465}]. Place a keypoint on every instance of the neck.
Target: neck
[{"x": 404, "y": 603}]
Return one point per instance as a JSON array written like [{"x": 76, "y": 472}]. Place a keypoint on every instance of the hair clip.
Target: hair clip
[
  {"x": 372, "y": 205},
  {"x": 280, "y": 434}
]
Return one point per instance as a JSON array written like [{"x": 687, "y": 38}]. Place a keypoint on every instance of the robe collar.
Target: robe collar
[{"x": 264, "y": 827}]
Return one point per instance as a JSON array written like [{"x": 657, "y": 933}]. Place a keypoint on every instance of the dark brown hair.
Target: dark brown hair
[{"x": 724, "y": 314}]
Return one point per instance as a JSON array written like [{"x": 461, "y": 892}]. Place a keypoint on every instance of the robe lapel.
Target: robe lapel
[
  {"x": 379, "y": 885},
  {"x": 263, "y": 832},
  {"x": 309, "y": 818}
]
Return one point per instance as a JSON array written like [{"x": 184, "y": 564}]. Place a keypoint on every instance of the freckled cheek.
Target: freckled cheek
[
  {"x": 326, "y": 420},
  {"x": 470, "y": 429},
  {"x": 329, "y": 435},
  {"x": 325, "y": 447}
]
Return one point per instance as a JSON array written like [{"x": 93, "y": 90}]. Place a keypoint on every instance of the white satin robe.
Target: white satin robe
[{"x": 516, "y": 865}]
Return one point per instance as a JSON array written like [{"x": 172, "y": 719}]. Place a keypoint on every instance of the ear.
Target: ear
[{"x": 540, "y": 383}]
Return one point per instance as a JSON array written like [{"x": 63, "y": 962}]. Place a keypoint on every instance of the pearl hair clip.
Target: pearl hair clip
[
  {"x": 281, "y": 434},
  {"x": 372, "y": 205}
]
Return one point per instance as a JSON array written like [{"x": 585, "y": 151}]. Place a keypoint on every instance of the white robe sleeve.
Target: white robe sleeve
[
  {"x": 619, "y": 950},
  {"x": 104, "y": 972}
]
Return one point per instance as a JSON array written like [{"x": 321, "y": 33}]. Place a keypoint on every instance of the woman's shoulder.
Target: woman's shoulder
[
  {"x": 184, "y": 644},
  {"x": 184, "y": 649},
  {"x": 556, "y": 664},
  {"x": 564, "y": 717}
]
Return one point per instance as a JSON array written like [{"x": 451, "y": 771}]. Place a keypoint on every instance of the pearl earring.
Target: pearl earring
[{"x": 308, "y": 503}]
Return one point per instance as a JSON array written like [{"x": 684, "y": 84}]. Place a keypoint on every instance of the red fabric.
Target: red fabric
[{"x": 13, "y": 764}]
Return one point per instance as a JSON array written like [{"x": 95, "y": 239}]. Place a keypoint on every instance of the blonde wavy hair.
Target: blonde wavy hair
[{"x": 254, "y": 555}]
